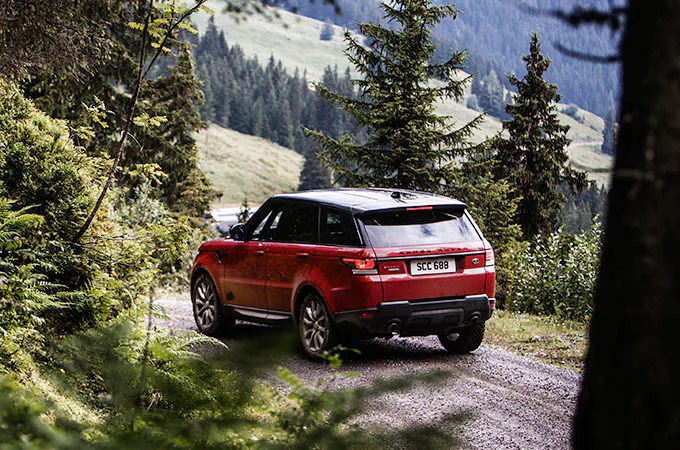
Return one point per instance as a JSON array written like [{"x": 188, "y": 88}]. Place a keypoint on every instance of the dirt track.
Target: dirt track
[{"x": 512, "y": 401}]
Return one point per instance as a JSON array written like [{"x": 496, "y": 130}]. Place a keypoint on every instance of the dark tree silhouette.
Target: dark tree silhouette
[{"x": 630, "y": 394}]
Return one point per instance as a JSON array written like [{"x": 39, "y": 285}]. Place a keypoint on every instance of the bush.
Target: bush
[
  {"x": 557, "y": 274},
  {"x": 50, "y": 284}
]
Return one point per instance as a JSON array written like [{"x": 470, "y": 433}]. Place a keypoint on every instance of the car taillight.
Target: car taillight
[
  {"x": 490, "y": 259},
  {"x": 361, "y": 266}
]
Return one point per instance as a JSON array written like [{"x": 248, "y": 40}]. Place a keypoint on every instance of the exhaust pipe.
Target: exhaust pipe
[
  {"x": 393, "y": 327},
  {"x": 475, "y": 318}
]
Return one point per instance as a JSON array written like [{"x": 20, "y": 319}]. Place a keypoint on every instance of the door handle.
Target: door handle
[
  {"x": 259, "y": 252},
  {"x": 302, "y": 255}
]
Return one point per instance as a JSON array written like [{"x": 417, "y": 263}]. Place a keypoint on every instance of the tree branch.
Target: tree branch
[
  {"x": 613, "y": 18},
  {"x": 603, "y": 59},
  {"x": 141, "y": 75},
  {"x": 126, "y": 129},
  {"x": 172, "y": 28}
]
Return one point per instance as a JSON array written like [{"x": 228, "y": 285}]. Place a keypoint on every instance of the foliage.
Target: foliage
[
  {"x": 557, "y": 275},
  {"x": 155, "y": 390},
  {"x": 41, "y": 168},
  {"x": 409, "y": 145},
  {"x": 165, "y": 113},
  {"x": 534, "y": 154},
  {"x": 169, "y": 142},
  {"x": 572, "y": 111},
  {"x": 581, "y": 209},
  {"x": 64, "y": 36},
  {"x": 51, "y": 284}
]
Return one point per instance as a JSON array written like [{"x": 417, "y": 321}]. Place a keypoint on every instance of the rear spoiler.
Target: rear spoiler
[{"x": 454, "y": 206}]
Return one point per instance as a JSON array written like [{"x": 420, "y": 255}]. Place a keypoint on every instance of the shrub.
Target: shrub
[
  {"x": 120, "y": 259},
  {"x": 556, "y": 275}
]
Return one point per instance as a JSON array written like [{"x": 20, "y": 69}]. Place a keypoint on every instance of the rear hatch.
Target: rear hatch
[{"x": 426, "y": 252}]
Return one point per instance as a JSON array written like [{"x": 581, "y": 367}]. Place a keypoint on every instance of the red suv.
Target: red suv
[{"x": 351, "y": 263}]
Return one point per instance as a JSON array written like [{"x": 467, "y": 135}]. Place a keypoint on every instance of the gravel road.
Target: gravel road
[{"x": 511, "y": 401}]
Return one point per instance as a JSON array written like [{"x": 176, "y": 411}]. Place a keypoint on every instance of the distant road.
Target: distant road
[{"x": 513, "y": 401}]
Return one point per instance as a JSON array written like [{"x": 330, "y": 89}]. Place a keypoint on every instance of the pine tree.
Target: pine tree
[
  {"x": 409, "y": 145},
  {"x": 171, "y": 144},
  {"x": 609, "y": 133},
  {"x": 313, "y": 175},
  {"x": 490, "y": 95},
  {"x": 327, "y": 31},
  {"x": 534, "y": 156}
]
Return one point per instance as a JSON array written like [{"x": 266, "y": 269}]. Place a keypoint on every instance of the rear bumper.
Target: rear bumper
[{"x": 420, "y": 318}]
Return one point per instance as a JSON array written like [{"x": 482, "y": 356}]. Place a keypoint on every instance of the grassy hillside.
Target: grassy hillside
[
  {"x": 294, "y": 40},
  {"x": 242, "y": 166},
  {"x": 291, "y": 38}
]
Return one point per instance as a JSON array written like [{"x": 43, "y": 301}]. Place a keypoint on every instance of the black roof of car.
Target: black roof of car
[{"x": 362, "y": 200}]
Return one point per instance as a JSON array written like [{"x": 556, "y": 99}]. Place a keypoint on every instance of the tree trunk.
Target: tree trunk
[{"x": 630, "y": 396}]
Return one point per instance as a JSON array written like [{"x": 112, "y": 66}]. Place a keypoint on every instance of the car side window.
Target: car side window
[
  {"x": 260, "y": 224},
  {"x": 295, "y": 223},
  {"x": 338, "y": 228}
]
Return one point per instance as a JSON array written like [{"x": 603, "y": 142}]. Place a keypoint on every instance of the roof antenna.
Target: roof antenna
[{"x": 396, "y": 194}]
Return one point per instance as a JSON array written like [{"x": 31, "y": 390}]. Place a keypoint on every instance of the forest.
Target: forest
[
  {"x": 494, "y": 31},
  {"x": 103, "y": 204}
]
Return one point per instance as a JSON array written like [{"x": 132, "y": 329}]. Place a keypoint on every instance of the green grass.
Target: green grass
[
  {"x": 240, "y": 166},
  {"x": 290, "y": 38},
  {"x": 294, "y": 40},
  {"x": 561, "y": 343}
]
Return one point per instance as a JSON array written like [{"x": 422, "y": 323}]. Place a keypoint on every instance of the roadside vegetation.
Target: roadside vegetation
[{"x": 549, "y": 339}]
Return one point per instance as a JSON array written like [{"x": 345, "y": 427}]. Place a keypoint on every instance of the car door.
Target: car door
[
  {"x": 292, "y": 234},
  {"x": 245, "y": 265}
]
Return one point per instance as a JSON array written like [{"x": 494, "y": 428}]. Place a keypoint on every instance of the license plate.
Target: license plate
[{"x": 429, "y": 266}]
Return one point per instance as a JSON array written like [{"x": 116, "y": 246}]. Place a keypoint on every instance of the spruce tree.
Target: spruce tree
[
  {"x": 171, "y": 144},
  {"x": 327, "y": 31},
  {"x": 609, "y": 133},
  {"x": 409, "y": 145},
  {"x": 534, "y": 155}
]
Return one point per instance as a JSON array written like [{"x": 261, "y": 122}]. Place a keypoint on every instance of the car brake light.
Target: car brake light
[
  {"x": 419, "y": 208},
  {"x": 361, "y": 266},
  {"x": 490, "y": 259}
]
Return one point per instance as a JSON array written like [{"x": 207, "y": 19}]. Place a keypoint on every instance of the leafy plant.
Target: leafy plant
[
  {"x": 157, "y": 389},
  {"x": 557, "y": 275}
]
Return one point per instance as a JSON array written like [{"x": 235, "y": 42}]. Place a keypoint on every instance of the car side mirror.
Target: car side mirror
[{"x": 237, "y": 232}]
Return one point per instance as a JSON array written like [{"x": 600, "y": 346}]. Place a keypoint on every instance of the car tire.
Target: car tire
[
  {"x": 208, "y": 312},
  {"x": 315, "y": 327},
  {"x": 468, "y": 339}
]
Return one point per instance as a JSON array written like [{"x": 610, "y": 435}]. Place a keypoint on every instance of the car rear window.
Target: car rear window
[{"x": 403, "y": 227}]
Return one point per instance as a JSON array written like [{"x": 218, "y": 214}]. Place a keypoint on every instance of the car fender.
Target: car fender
[
  {"x": 306, "y": 284},
  {"x": 207, "y": 261}
]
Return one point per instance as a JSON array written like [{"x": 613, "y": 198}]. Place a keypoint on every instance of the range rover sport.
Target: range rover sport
[{"x": 351, "y": 263}]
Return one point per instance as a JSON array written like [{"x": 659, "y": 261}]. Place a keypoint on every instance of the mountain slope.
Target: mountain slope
[
  {"x": 294, "y": 40},
  {"x": 496, "y": 33},
  {"x": 240, "y": 166},
  {"x": 289, "y": 37}
]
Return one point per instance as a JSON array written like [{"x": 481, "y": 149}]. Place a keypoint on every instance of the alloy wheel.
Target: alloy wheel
[
  {"x": 205, "y": 304},
  {"x": 315, "y": 325}
]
